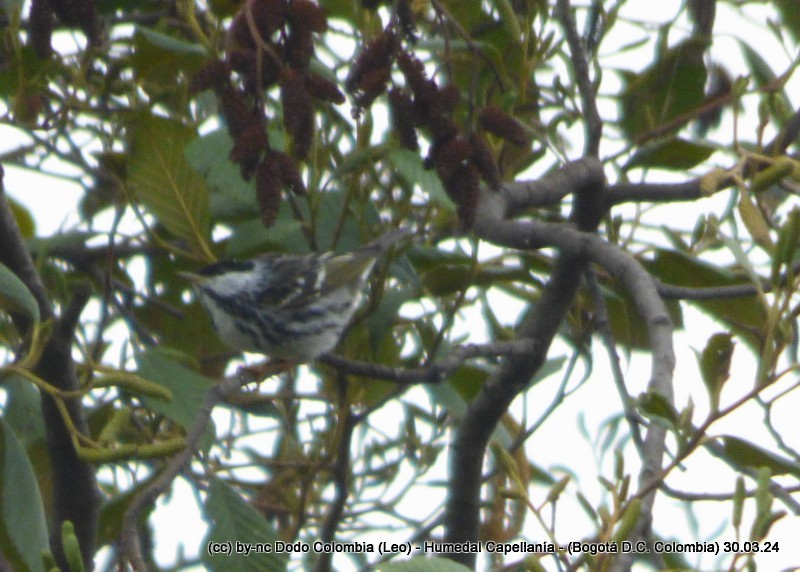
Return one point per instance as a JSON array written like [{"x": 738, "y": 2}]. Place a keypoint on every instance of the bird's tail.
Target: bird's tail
[
  {"x": 386, "y": 240},
  {"x": 356, "y": 265}
]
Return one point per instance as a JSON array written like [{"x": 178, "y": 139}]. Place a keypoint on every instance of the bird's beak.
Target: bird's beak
[{"x": 190, "y": 276}]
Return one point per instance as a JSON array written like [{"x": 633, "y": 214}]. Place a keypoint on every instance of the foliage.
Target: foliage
[{"x": 198, "y": 131}]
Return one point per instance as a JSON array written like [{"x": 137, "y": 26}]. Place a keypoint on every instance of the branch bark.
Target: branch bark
[
  {"x": 75, "y": 494},
  {"x": 131, "y": 546},
  {"x": 577, "y": 248}
]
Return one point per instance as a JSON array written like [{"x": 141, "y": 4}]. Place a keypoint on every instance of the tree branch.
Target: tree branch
[
  {"x": 580, "y": 66},
  {"x": 652, "y": 192},
  {"x": 540, "y": 324},
  {"x": 462, "y": 511},
  {"x": 550, "y": 189},
  {"x": 75, "y": 493},
  {"x": 434, "y": 373},
  {"x": 607, "y": 337},
  {"x": 341, "y": 482},
  {"x": 690, "y": 190},
  {"x": 131, "y": 547}
]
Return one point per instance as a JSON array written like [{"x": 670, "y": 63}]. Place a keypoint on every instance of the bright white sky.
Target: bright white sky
[{"x": 560, "y": 442}]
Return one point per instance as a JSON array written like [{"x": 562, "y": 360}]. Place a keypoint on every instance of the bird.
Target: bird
[{"x": 286, "y": 306}]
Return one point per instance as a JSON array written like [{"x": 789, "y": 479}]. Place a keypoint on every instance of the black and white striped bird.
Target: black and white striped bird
[{"x": 287, "y": 306}]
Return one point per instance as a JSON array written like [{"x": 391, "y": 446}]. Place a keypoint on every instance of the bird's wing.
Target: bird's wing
[
  {"x": 347, "y": 270},
  {"x": 293, "y": 280},
  {"x": 352, "y": 268}
]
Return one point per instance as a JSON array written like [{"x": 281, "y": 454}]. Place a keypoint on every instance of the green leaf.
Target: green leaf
[
  {"x": 25, "y": 222},
  {"x": 626, "y": 324},
  {"x": 23, "y": 409},
  {"x": 171, "y": 44},
  {"x": 744, "y": 318},
  {"x": 188, "y": 388},
  {"x": 409, "y": 165},
  {"x": 23, "y": 529},
  {"x": 231, "y": 196},
  {"x": 209, "y": 155},
  {"x": 657, "y": 406},
  {"x": 15, "y": 296},
  {"x": 467, "y": 381},
  {"x": 790, "y": 17},
  {"x": 745, "y": 454},
  {"x": 190, "y": 332},
  {"x": 165, "y": 182},
  {"x": 24, "y": 71},
  {"x": 738, "y": 502},
  {"x": 756, "y": 225},
  {"x": 162, "y": 67},
  {"x": 112, "y": 512},
  {"x": 675, "y": 154},
  {"x": 380, "y": 321},
  {"x": 66, "y": 240},
  {"x": 670, "y": 88},
  {"x": 251, "y": 237},
  {"x": 762, "y": 72},
  {"x": 447, "y": 279},
  {"x": 786, "y": 251},
  {"x": 423, "y": 564},
  {"x": 715, "y": 365},
  {"x": 234, "y": 520},
  {"x": 335, "y": 206},
  {"x": 425, "y": 258}
]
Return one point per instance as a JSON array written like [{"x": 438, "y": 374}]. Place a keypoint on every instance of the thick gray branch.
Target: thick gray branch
[
  {"x": 75, "y": 494},
  {"x": 540, "y": 324}
]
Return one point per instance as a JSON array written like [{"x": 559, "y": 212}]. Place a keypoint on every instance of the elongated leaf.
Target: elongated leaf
[
  {"x": 715, "y": 365},
  {"x": 23, "y": 530},
  {"x": 677, "y": 154},
  {"x": 165, "y": 183},
  {"x": 170, "y": 43},
  {"x": 251, "y": 237},
  {"x": 746, "y": 454},
  {"x": 188, "y": 388},
  {"x": 109, "y": 524},
  {"x": 231, "y": 196},
  {"x": 790, "y": 16},
  {"x": 23, "y": 409},
  {"x": 671, "y": 87},
  {"x": 746, "y": 317},
  {"x": 762, "y": 73},
  {"x": 24, "y": 218},
  {"x": 754, "y": 221},
  {"x": 233, "y": 520},
  {"x": 15, "y": 296},
  {"x": 627, "y": 325},
  {"x": 410, "y": 167},
  {"x": 657, "y": 406}
]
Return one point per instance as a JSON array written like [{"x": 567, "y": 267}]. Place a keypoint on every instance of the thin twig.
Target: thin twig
[
  {"x": 341, "y": 484},
  {"x": 434, "y": 373},
  {"x": 580, "y": 65},
  {"x": 606, "y": 335},
  {"x": 131, "y": 547},
  {"x": 474, "y": 48}
]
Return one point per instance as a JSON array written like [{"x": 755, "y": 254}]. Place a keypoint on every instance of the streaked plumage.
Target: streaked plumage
[{"x": 287, "y": 306}]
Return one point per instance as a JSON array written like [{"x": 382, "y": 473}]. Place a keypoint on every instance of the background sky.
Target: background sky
[{"x": 569, "y": 439}]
